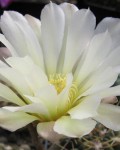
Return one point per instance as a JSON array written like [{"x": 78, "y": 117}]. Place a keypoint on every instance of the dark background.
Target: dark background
[{"x": 101, "y": 8}]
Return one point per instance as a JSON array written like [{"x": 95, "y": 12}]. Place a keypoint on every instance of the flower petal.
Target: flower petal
[
  {"x": 14, "y": 120},
  {"x": 63, "y": 98},
  {"x": 35, "y": 25},
  {"x": 112, "y": 59},
  {"x": 37, "y": 108},
  {"x": 81, "y": 30},
  {"x": 52, "y": 30},
  {"x": 14, "y": 25},
  {"x": 9, "y": 95},
  {"x": 11, "y": 108},
  {"x": 45, "y": 130},
  {"x": 73, "y": 127},
  {"x": 34, "y": 76},
  {"x": 99, "y": 80},
  {"x": 112, "y": 91},
  {"x": 15, "y": 79},
  {"x": 113, "y": 27},
  {"x": 69, "y": 10},
  {"x": 109, "y": 116},
  {"x": 33, "y": 99},
  {"x": 99, "y": 49},
  {"x": 23, "y": 65},
  {"x": 8, "y": 45},
  {"x": 48, "y": 96},
  {"x": 3, "y": 64},
  {"x": 86, "y": 108}
]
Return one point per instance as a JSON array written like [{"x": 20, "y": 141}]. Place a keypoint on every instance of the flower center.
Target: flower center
[{"x": 59, "y": 81}]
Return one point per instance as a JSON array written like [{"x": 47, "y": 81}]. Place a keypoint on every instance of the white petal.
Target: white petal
[
  {"x": 52, "y": 30},
  {"x": 48, "y": 96},
  {"x": 99, "y": 80},
  {"x": 86, "y": 108},
  {"x": 23, "y": 65},
  {"x": 23, "y": 38},
  {"x": 33, "y": 48},
  {"x": 109, "y": 116},
  {"x": 113, "y": 27},
  {"x": 98, "y": 50},
  {"x": 45, "y": 130},
  {"x": 14, "y": 120},
  {"x": 113, "y": 58},
  {"x": 73, "y": 127},
  {"x": 8, "y": 45},
  {"x": 112, "y": 91},
  {"x": 9, "y": 95},
  {"x": 79, "y": 34},
  {"x": 33, "y": 99},
  {"x": 11, "y": 108},
  {"x": 69, "y": 10},
  {"x": 34, "y": 76},
  {"x": 35, "y": 25},
  {"x": 63, "y": 98},
  {"x": 15, "y": 79},
  {"x": 3, "y": 64},
  {"x": 36, "y": 108},
  {"x": 10, "y": 29}
]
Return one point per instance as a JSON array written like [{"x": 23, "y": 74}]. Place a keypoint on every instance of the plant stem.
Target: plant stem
[{"x": 34, "y": 136}]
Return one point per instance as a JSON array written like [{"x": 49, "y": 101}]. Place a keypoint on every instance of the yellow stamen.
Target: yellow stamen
[
  {"x": 59, "y": 81},
  {"x": 73, "y": 92}
]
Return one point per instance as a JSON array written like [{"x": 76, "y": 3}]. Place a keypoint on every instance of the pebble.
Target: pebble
[
  {"x": 8, "y": 148},
  {"x": 24, "y": 147},
  {"x": 2, "y": 146}
]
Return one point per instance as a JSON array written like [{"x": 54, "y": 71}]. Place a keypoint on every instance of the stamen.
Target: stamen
[
  {"x": 59, "y": 81},
  {"x": 73, "y": 92}
]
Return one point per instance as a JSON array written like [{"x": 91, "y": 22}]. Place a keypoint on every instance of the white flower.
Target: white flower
[{"x": 60, "y": 70}]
